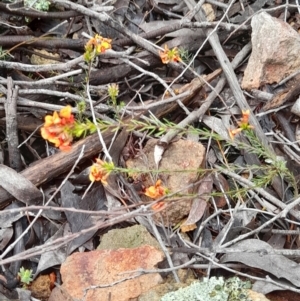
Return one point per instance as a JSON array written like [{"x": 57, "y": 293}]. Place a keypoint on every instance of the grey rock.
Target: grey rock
[{"x": 275, "y": 52}]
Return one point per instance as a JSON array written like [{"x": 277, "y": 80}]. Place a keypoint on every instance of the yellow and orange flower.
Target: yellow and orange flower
[
  {"x": 95, "y": 46},
  {"x": 243, "y": 124},
  {"x": 169, "y": 55},
  {"x": 104, "y": 45},
  {"x": 57, "y": 128},
  {"x": 100, "y": 171},
  {"x": 156, "y": 191}
]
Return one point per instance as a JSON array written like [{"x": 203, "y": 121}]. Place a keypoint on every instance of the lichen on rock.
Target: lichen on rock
[
  {"x": 213, "y": 289},
  {"x": 41, "y": 5}
]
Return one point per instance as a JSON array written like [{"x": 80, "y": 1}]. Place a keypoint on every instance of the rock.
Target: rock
[
  {"x": 215, "y": 289},
  {"x": 41, "y": 287},
  {"x": 58, "y": 295},
  {"x": 130, "y": 237},
  {"x": 106, "y": 269},
  {"x": 183, "y": 155},
  {"x": 275, "y": 52},
  {"x": 283, "y": 296},
  {"x": 38, "y": 60},
  {"x": 296, "y": 107},
  {"x": 254, "y": 296},
  {"x": 156, "y": 293}
]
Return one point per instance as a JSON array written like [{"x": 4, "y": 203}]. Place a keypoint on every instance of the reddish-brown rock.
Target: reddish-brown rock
[
  {"x": 180, "y": 164},
  {"x": 104, "y": 272}
]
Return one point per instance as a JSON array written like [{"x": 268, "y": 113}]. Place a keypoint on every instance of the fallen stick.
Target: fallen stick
[
  {"x": 48, "y": 168},
  {"x": 192, "y": 88}
]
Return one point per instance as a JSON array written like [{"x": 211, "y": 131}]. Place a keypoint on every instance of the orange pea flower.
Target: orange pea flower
[
  {"x": 156, "y": 191},
  {"x": 234, "y": 132},
  {"x": 95, "y": 46},
  {"x": 104, "y": 45},
  {"x": 100, "y": 171},
  {"x": 57, "y": 128},
  {"x": 243, "y": 124},
  {"x": 169, "y": 55},
  {"x": 62, "y": 140}
]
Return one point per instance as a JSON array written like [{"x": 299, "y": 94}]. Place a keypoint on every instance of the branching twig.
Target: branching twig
[
  {"x": 11, "y": 246},
  {"x": 41, "y": 68}
]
